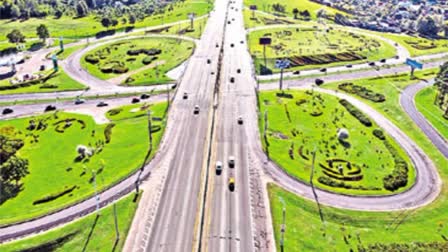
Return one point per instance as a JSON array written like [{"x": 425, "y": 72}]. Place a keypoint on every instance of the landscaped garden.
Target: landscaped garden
[
  {"x": 423, "y": 229},
  {"x": 61, "y": 156},
  {"x": 309, "y": 47},
  {"x": 418, "y": 46},
  {"x": 184, "y": 29},
  {"x": 146, "y": 60},
  {"x": 89, "y": 233},
  {"x": 45, "y": 81},
  {"x": 353, "y": 155}
]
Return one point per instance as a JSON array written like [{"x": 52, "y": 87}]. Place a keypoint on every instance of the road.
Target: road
[{"x": 407, "y": 99}]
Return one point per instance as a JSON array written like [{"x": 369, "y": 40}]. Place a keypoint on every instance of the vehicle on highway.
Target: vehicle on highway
[
  {"x": 228, "y": 22},
  {"x": 371, "y": 63},
  {"x": 349, "y": 66},
  {"x": 232, "y": 184},
  {"x": 79, "y": 101},
  {"x": 42, "y": 68},
  {"x": 296, "y": 72},
  {"x": 144, "y": 96},
  {"x": 323, "y": 70},
  {"x": 238, "y": 70},
  {"x": 232, "y": 79},
  {"x": 383, "y": 60},
  {"x": 232, "y": 45},
  {"x": 185, "y": 96},
  {"x": 135, "y": 100},
  {"x": 7, "y": 111},
  {"x": 319, "y": 82},
  {"x": 218, "y": 167},
  {"x": 231, "y": 161},
  {"x": 196, "y": 109},
  {"x": 209, "y": 61},
  {"x": 50, "y": 108},
  {"x": 242, "y": 42},
  {"x": 397, "y": 57},
  {"x": 102, "y": 104},
  {"x": 240, "y": 120},
  {"x": 217, "y": 45}
]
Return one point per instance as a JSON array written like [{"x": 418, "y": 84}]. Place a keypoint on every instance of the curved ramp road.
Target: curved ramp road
[
  {"x": 426, "y": 188},
  {"x": 407, "y": 101}
]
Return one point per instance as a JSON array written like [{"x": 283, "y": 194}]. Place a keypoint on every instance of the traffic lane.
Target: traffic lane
[
  {"x": 88, "y": 105},
  {"x": 407, "y": 101}
]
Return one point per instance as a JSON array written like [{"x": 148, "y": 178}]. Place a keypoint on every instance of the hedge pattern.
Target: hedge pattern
[{"x": 356, "y": 113}]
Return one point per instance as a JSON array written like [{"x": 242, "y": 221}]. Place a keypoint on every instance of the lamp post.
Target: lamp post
[{"x": 283, "y": 226}]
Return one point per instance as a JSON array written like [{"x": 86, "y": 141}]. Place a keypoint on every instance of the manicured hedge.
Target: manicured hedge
[
  {"x": 149, "y": 52},
  {"x": 92, "y": 59},
  {"x": 52, "y": 197},
  {"x": 362, "y": 92},
  {"x": 356, "y": 113},
  {"x": 108, "y": 132},
  {"x": 379, "y": 134}
]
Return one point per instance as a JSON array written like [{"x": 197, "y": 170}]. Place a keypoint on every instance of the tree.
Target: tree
[
  {"x": 42, "y": 32},
  {"x": 427, "y": 27},
  {"x": 15, "y": 11},
  {"x": 132, "y": 19},
  {"x": 82, "y": 9},
  {"x": 14, "y": 169},
  {"x": 106, "y": 22},
  {"x": 295, "y": 11},
  {"x": 114, "y": 22},
  {"x": 306, "y": 14},
  {"x": 15, "y": 36}
]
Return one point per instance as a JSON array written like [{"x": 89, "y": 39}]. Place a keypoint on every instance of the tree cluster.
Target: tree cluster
[{"x": 441, "y": 83}]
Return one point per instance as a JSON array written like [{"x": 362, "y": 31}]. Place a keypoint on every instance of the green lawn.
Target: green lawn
[
  {"x": 302, "y": 5},
  {"x": 313, "y": 122},
  {"x": 173, "y": 53},
  {"x": 418, "y": 46},
  {"x": 52, "y": 159},
  {"x": 88, "y": 26},
  {"x": 262, "y": 19},
  {"x": 58, "y": 82},
  {"x": 308, "y": 47},
  {"x": 184, "y": 29},
  {"x": 75, "y": 236},
  {"x": 424, "y": 101}
]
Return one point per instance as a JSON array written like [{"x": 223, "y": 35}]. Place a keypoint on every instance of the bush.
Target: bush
[
  {"x": 379, "y": 134},
  {"x": 149, "y": 52},
  {"x": 399, "y": 176},
  {"x": 114, "y": 112},
  {"x": 108, "y": 132},
  {"x": 300, "y": 102},
  {"x": 356, "y": 113},
  {"x": 285, "y": 95},
  {"x": 155, "y": 128},
  {"x": 52, "y": 197},
  {"x": 92, "y": 59},
  {"x": 119, "y": 69},
  {"x": 362, "y": 92},
  {"x": 148, "y": 60}
]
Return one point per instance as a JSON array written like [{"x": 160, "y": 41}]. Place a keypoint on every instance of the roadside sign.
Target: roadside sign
[
  {"x": 253, "y": 7},
  {"x": 282, "y": 64},
  {"x": 157, "y": 119},
  {"x": 414, "y": 64},
  {"x": 265, "y": 41}
]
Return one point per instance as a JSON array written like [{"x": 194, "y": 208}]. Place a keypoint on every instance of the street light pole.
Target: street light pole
[
  {"x": 149, "y": 130},
  {"x": 96, "y": 193},
  {"x": 283, "y": 226}
]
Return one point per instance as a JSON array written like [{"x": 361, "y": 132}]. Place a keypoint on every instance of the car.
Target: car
[
  {"x": 209, "y": 61},
  {"x": 174, "y": 86},
  {"x": 231, "y": 161},
  {"x": 144, "y": 96},
  {"x": 319, "y": 82},
  {"x": 232, "y": 79},
  {"x": 240, "y": 120},
  {"x": 7, "y": 111},
  {"x": 50, "y": 108},
  {"x": 102, "y": 104},
  {"x": 238, "y": 70},
  {"x": 397, "y": 57},
  {"x": 232, "y": 45},
  {"x": 185, "y": 96},
  {"x": 218, "y": 167},
  {"x": 196, "y": 110},
  {"x": 323, "y": 70},
  {"x": 42, "y": 68},
  {"x": 383, "y": 60},
  {"x": 79, "y": 101},
  {"x": 217, "y": 45},
  {"x": 296, "y": 72},
  {"x": 212, "y": 73},
  {"x": 349, "y": 66},
  {"x": 372, "y": 63},
  {"x": 242, "y": 41},
  {"x": 135, "y": 100},
  {"x": 228, "y": 22},
  {"x": 232, "y": 184}
]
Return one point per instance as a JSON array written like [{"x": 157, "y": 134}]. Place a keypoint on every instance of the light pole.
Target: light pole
[
  {"x": 283, "y": 226},
  {"x": 149, "y": 130},
  {"x": 97, "y": 199},
  {"x": 117, "y": 234}
]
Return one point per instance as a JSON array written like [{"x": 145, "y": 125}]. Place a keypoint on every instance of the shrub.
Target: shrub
[
  {"x": 149, "y": 52},
  {"x": 92, "y": 59},
  {"x": 155, "y": 128},
  {"x": 300, "y": 102},
  {"x": 114, "y": 112},
  {"x": 120, "y": 69},
  {"x": 148, "y": 60},
  {"x": 285, "y": 95},
  {"x": 52, "y": 197},
  {"x": 301, "y": 154},
  {"x": 362, "y": 92},
  {"x": 108, "y": 132},
  {"x": 399, "y": 176},
  {"x": 356, "y": 113},
  {"x": 379, "y": 134}
]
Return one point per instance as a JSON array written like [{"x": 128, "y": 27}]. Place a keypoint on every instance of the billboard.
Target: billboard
[{"x": 265, "y": 41}]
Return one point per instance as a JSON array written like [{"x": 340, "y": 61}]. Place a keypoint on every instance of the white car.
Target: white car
[
  {"x": 218, "y": 166},
  {"x": 196, "y": 109},
  {"x": 231, "y": 161}
]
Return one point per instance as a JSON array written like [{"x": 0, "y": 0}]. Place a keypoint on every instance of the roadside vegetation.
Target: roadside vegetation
[
  {"x": 145, "y": 61},
  {"x": 91, "y": 233},
  {"x": 68, "y": 153},
  {"x": 354, "y": 156},
  {"x": 310, "y": 47},
  {"x": 424, "y": 100}
]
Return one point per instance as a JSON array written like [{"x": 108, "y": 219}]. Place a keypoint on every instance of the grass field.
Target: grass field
[
  {"x": 184, "y": 29},
  {"x": 424, "y": 100},
  {"x": 77, "y": 234},
  {"x": 266, "y": 6},
  {"x": 53, "y": 162},
  {"x": 262, "y": 19},
  {"x": 173, "y": 52},
  {"x": 418, "y": 46},
  {"x": 308, "y": 47},
  {"x": 90, "y": 25},
  {"x": 311, "y": 120},
  {"x": 60, "y": 81}
]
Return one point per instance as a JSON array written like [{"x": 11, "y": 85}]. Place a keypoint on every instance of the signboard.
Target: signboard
[
  {"x": 414, "y": 64},
  {"x": 282, "y": 64},
  {"x": 253, "y": 7},
  {"x": 265, "y": 41},
  {"x": 61, "y": 43},
  {"x": 55, "y": 63},
  {"x": 157, "y": 119}
]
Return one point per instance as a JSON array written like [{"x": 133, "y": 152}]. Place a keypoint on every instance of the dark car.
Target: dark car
[
  {"x": 7, "y": 111},
  {"x": 42, "y": 68},
  {"x": 371, "y": 63},
  {"x": 319, "y": 82},
  {"x": 232, "y": 79},
  {"x": 144, "y": 96},
  {"x": 135, "y": 100},
  {"x": 323, "y": 70},
  {"x": 238, "y": 70},
  {"x": 383, "y": 60},
  {"x": 296, "y": 72},
  {"x": 242, "y": 42},
  {"x": 217, "y": 45},
  {"x": 185, "y": 96},
  {"x": 102, "y": 104},
  {"x": 228, "y": 22},
  {"x": 232, "y": 45},
  {"x": 209, "y": 61},
  {"x": 349, "y": 66},
  {"x": 50, "y": 108}
]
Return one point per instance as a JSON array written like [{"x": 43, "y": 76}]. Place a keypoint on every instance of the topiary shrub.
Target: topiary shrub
[
  {"x": 108, "y": 132},
  {"x": 92, "y": 59},
  {"x": 379, "y": 134},
  {"x": 356, "y": 113},
  {"x": 117, "y": 69},
  {"x": 54, "y": 196}
]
